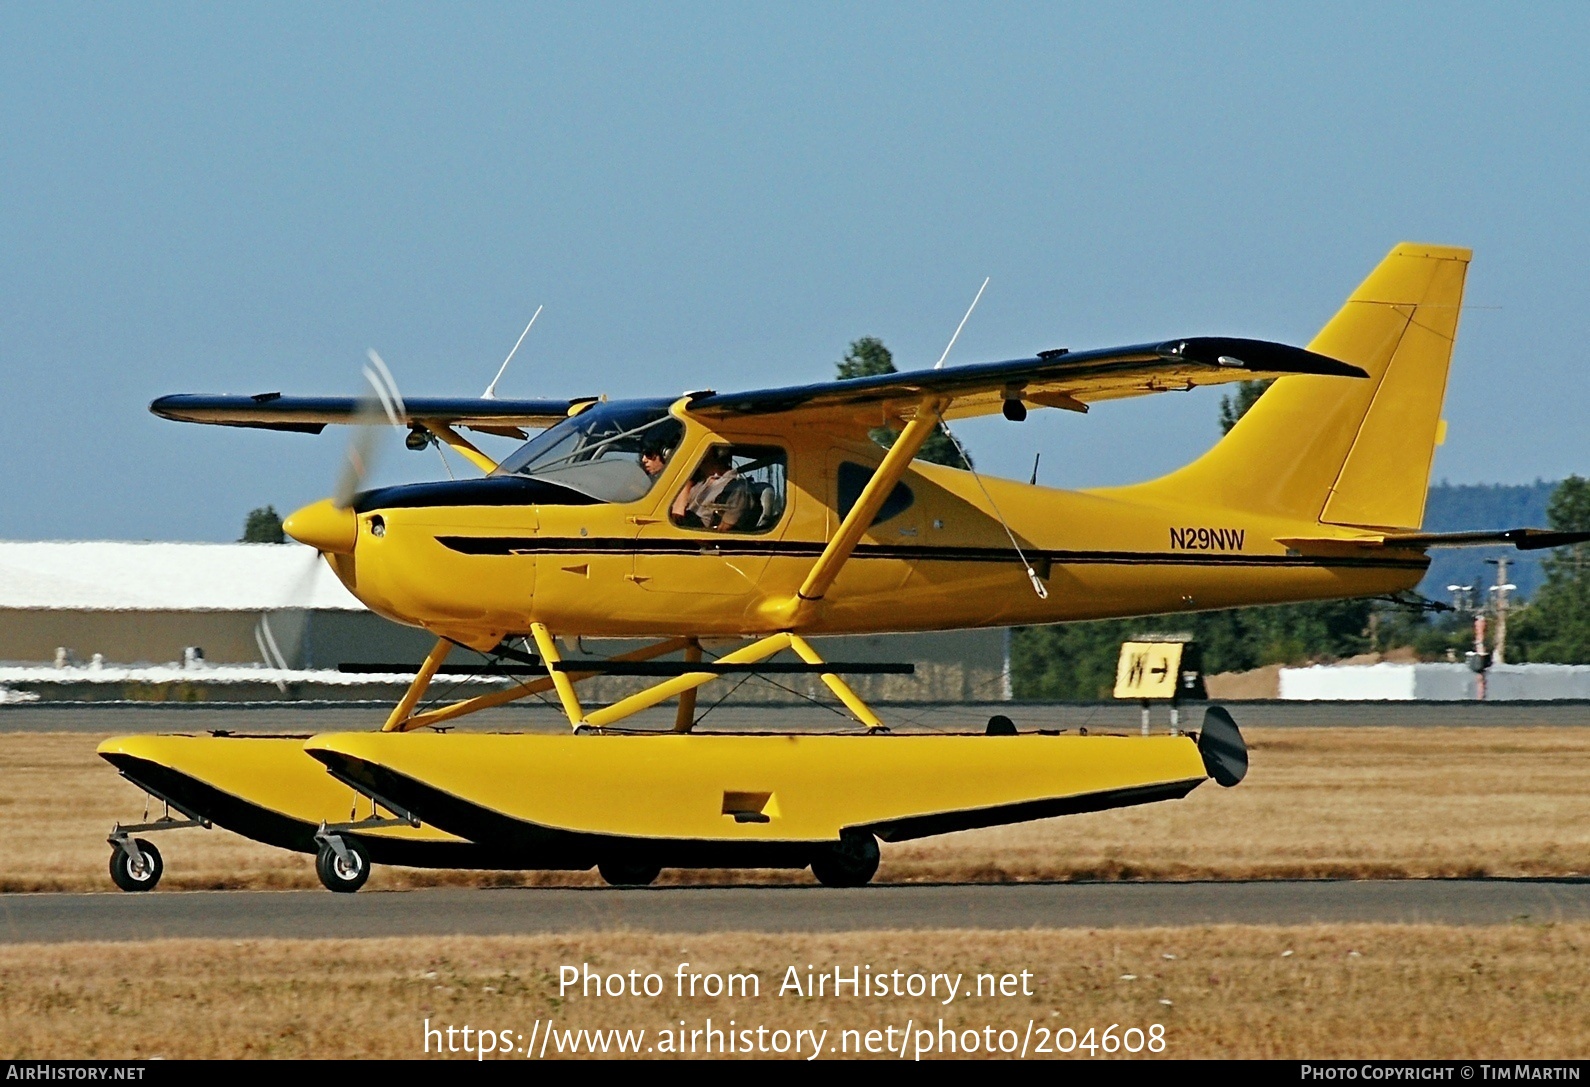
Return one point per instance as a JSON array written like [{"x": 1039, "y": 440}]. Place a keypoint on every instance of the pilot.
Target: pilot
[
  {"x": 653, "y": 458},
  {"x": 715, "y": 498}
]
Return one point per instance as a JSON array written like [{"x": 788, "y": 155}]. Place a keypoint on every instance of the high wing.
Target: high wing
[
  {"x": 1062, "y": 379},
  {"x": 311, "y": 414}
]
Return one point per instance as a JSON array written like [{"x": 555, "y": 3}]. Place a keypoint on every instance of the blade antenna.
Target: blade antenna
[
  {"x": 491, "y": 390},
  {"x": 939, "y": 364}
]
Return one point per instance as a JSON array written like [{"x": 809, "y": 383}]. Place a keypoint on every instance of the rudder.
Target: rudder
[{"x": 1341, "y": 451}]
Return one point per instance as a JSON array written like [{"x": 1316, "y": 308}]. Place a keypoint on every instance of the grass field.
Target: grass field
[
  {"x": 1342, "y": 802},
  {"x": 1324, "y": 991},
  {"x": 1318, "y": 802}
]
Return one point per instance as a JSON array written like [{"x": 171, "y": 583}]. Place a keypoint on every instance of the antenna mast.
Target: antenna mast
[
  {"x": 939, "y": 364},
  {"x": 491, "y": 390}
]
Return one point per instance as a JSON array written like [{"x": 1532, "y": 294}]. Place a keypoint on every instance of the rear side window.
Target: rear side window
[{"x": 854, "y": 477}]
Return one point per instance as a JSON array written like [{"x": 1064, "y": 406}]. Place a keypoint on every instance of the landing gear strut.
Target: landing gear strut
[
  {"x": 135, "y": 864},
  {"x": 341, "y": 863}
]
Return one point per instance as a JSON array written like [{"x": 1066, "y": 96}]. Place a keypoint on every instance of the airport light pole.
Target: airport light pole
[{"x": 1501, "y": 589}]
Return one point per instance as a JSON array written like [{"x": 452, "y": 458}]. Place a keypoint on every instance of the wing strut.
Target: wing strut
[
  {"x": 460, "y": 445},
  {"x": 859, "y": 519}
]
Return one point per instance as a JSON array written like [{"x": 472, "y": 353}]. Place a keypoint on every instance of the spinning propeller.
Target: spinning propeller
[{"x": 330, "y": 526}]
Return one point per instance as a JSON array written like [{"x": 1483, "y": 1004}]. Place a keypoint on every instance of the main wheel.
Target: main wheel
[
  {"x": 342, "y": 876},
  {"x": 133, "y": 876},
  {"x": 628, "y": 871},
  {"x": 850, "y": 862}
]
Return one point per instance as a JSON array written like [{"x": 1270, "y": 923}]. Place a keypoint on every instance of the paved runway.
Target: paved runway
[{"x": 26, "y": 918}]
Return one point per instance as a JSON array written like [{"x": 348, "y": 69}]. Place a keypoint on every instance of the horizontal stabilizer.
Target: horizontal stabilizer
[{"x": 1524, "y": 539}]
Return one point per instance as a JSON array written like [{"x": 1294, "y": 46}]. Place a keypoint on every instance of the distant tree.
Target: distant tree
[
  {"x": 868, "y": 357},
  {"x": 1076, "y": 661},
  {"x": 1234, "y": 406},
  {"x": 1556, "y": 626},
  {"x": 264, "y": 525}
]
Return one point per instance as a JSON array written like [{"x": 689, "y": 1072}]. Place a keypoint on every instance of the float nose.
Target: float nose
[{"x": 324, "y": 526}]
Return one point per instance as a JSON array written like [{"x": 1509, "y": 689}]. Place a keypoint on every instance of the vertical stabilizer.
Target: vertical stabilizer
[{"x": 1342, "y": 451}]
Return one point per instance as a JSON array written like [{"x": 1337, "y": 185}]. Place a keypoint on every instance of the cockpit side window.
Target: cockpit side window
[
  {"x": 735, "y": 488},
  {"x": 611, "y": 452}
]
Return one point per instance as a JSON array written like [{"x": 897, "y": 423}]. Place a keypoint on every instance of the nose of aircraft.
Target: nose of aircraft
[{"x": 324, "y": 526}]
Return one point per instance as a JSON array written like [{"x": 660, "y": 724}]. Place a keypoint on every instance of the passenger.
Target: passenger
[{"x": 716, "y": 498}]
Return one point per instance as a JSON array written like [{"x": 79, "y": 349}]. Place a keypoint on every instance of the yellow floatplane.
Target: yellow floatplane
[{"x": 770, "y": 516}]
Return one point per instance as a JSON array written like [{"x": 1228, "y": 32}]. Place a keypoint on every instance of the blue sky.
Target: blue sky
[{"x": 242, "y": 198}]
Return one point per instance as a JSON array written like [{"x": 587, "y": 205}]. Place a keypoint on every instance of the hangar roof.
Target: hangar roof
[{"x": 114, "y": 575}]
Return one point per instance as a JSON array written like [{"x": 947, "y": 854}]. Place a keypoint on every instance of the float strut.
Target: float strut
[
  {"x": 685, "y": 717},
  {"x": 560, "y": 680},
  {"x": 422, "y": 681},
  {"x": 846, "y": 694}
]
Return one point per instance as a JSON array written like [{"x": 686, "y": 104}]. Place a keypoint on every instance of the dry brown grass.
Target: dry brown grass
[
  {"x": 1321, "y": 991},
  {"x": 1344, "y": 802}
]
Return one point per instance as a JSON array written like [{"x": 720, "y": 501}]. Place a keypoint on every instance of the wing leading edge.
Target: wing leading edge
[{"x": 311, "y": 414}]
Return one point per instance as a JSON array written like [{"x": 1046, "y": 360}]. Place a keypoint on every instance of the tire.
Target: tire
[
  {"x": 344, "y": 877},
  {"x": 628, "y": 871},
  {"x": 1000, "y": 725},
  {"x": 130, "y": 877},
  {"x": 850, "y": 862}
]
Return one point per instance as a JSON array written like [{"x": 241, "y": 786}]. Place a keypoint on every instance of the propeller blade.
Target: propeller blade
[
  {"x": 382, "y": 406},
  {"x": 300, "y": 592}
]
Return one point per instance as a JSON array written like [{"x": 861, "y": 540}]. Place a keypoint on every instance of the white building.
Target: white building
[
  {"x": 117, "y": 619},
  {"x": 1434, "y": 682}
]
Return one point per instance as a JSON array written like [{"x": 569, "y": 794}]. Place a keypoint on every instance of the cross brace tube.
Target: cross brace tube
[{"x": 525, "y": 690}]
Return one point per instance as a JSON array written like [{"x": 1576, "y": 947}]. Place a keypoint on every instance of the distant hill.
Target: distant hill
[{"x": 1455, "y": 507}]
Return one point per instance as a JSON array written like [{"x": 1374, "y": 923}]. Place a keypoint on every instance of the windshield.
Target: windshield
[{"x": 611, "y": 452}]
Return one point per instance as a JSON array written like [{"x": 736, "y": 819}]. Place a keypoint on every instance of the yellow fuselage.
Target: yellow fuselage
[{"x": 475, "y": 573}]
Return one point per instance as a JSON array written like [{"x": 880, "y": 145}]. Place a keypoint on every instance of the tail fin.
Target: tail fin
[{"x": 1347, "y": 452}]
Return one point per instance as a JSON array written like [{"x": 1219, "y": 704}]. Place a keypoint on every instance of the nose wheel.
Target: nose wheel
[
  {"x": 341, "y": 863},
  {"x": 135, "y": 865}
]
